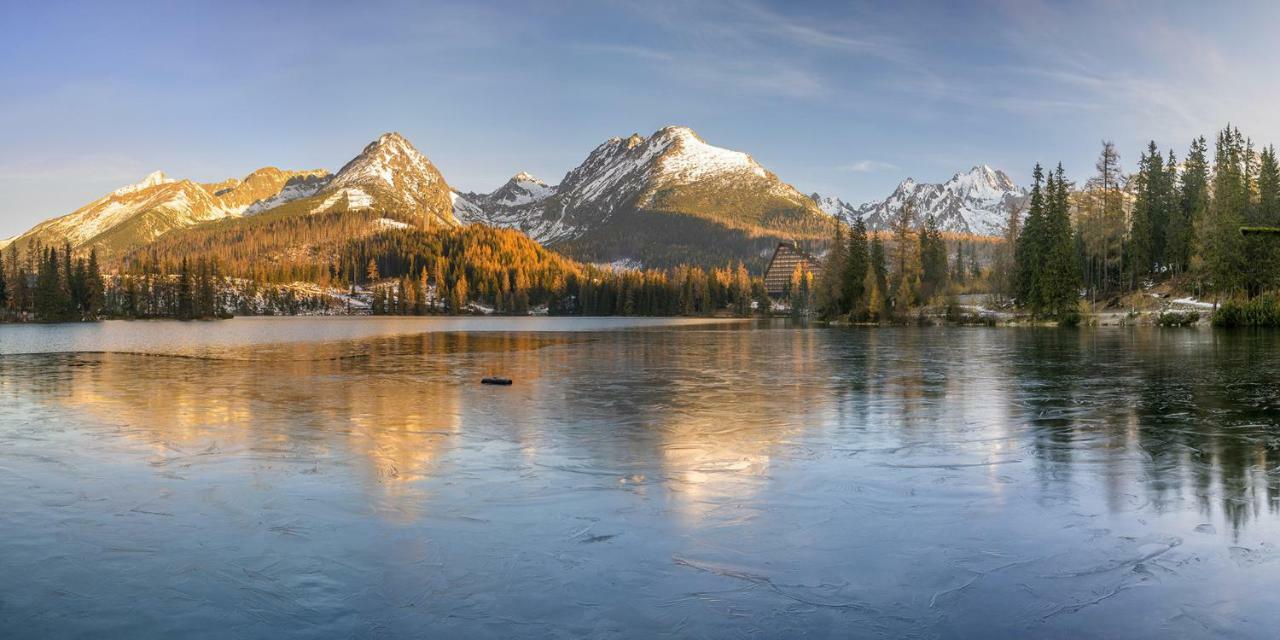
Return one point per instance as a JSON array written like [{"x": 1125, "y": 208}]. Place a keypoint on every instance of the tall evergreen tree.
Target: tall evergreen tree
[
  {"x": 878, "y": 299},
  {"x": 905, "y": 258},
  {"x": 94, "y": 287},
  {"x": 1261, "y": 253},
  {"x": 1193, "y": 203},
  {"x": 1220, "y": 240},
  {"x": 857, "y": 263},
  {"x": 1059, "y": 279},
  {"x": 933, "y": 260},
  {"x": 1029, "y": 254},
  {"x": 830, "y": 285}
]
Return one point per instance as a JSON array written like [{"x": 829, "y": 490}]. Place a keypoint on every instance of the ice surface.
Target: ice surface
[{"x": 350, "y": 478}]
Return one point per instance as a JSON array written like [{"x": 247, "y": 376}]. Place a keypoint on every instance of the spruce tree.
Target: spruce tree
[
  {"x": 933, "y": 260},
  {"x": 1139, "y": 256},
  {"x": 830, "y": 285},
  {"x": 4, "y": 288},
  {"x": 857, "y": 263},
  {"x": 1261, "y": 253},
  {"x": 1059, "y": 278},
  {"x": 1029, "y": 254},
  {"x": 1192, "y": 205},
  {"x": 1220, "y": 239},
  {"x": 94, "y": 287}
]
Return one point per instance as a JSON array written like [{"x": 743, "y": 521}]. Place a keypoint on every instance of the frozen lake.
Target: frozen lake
[{"x": 265, "y": 478}]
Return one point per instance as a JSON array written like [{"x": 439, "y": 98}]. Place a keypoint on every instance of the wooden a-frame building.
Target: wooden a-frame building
[{"x": 786, "y": 257}]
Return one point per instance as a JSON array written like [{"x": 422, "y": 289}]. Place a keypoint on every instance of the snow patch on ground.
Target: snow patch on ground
[
  {"x": 388, "y": 223},
  {"x": 353, "y": 199},
  {"x": 621, "y": 264},
  {"x": 1192, "y": 302}
]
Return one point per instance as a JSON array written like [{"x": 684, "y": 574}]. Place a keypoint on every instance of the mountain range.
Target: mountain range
[
  {"x": 660, "y": 200},
  {"x": 657, "y": 200},
  {"x": 975, "y": 202}
]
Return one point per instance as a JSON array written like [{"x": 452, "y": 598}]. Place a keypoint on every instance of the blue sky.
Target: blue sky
[{"x": 841, "y": 98}]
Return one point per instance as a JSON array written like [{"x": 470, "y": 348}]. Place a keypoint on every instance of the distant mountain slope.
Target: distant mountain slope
[
  {"x": 136, "y": 214},
  {"x": 660, "y": 200},
  {"x": 389, "y": 176},
  {"x": 976, "y": 201}
]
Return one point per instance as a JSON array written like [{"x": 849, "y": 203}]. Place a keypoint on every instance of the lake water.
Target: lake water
[{"x": 265, "y": 478}]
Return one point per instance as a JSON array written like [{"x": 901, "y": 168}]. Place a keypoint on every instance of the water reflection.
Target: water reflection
[
  {"x": 712, "y": 480},
  {"x": 1173, "y": 418}
]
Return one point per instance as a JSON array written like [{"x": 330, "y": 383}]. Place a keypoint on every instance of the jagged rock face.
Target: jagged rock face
[
  {"x": 265, "y": 184},
  {"x": 976, "y": 201},
  {"x": 835, "y": 207},
  {"x": 509, "y": 206},
  {"x": 635, "y": 185},
  {"x": 397, "y": 178}
]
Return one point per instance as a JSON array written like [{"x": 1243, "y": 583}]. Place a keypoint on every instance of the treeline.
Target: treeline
[
  {"x": 864, "y": 278},
  {"x": 1114, "y": 236},
  {"x": 44, "y": 284},
  {"x": 1170, "y": 220},
  {"x": 412, "y": 271}
]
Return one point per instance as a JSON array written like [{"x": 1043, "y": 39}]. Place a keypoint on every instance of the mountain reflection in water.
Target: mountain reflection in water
[{"x": 707, "y": 480}]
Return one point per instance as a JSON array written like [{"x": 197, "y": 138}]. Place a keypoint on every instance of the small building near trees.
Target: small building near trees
[{"x": 786, "y": 258}]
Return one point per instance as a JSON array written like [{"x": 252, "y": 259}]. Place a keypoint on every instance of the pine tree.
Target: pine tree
[
  {"x": 1140, "y": 249},
  {"x": 881, "y": 273},
  {"x": 1192, "y": 205},
  {"x": 933, "y": 260},
  {"x": 905, "y": 258},
  {"x": 830, "y": 286},
  {"x": 1220, "y": 240},
  {"x": 94, "y": 287},
  {"x": 857, "y": 264},
  {"x": 1058, "y": 279},
  {"x": 459, "y": 295},
  {"x": 4, "y": 288},
  {"x": 1004, "y": 269},
  {"x": 1030, "y": 251},
  {"x": 1261, "y": 253},
  {"x": 186, "y": 307}
]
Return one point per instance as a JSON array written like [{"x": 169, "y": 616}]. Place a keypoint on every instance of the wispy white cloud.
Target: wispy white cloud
[
  {"x": 870, "y": 166},
  {"x": 630, "y": 51}
]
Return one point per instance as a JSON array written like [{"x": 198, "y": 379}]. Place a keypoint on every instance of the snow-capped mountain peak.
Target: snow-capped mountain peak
[
  {"x": 625, "y": 179},
  {"x": 521, "y": 189},
  {"x": 976, "y": 201},
  {"x": 394, "y": 175},
  {"x": 689, "y": 157},
  {"x": 835, "y": 207},
  {"x": 154, "y": 178},
  {"x": 383, "y": 162},
  {"x": 525, "y": 176}
]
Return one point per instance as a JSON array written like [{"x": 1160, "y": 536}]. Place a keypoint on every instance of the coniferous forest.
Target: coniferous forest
[{"x": 1205, "y": 226}]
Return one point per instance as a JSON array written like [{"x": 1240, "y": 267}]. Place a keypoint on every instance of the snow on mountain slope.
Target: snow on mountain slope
[
  {"x": 138, "y": 213},
  {"x": 346, "y": 199},
  {"x": 835, "y": 207},
  {"x": 673, "y": 171},
  {"x": 389, "y": 174},
  {"x": 268, "y": 187},
  {"x": 976, "y": 201},
  {"x": 179, "y": 202},
  {"x": 397, "y": 177}
]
